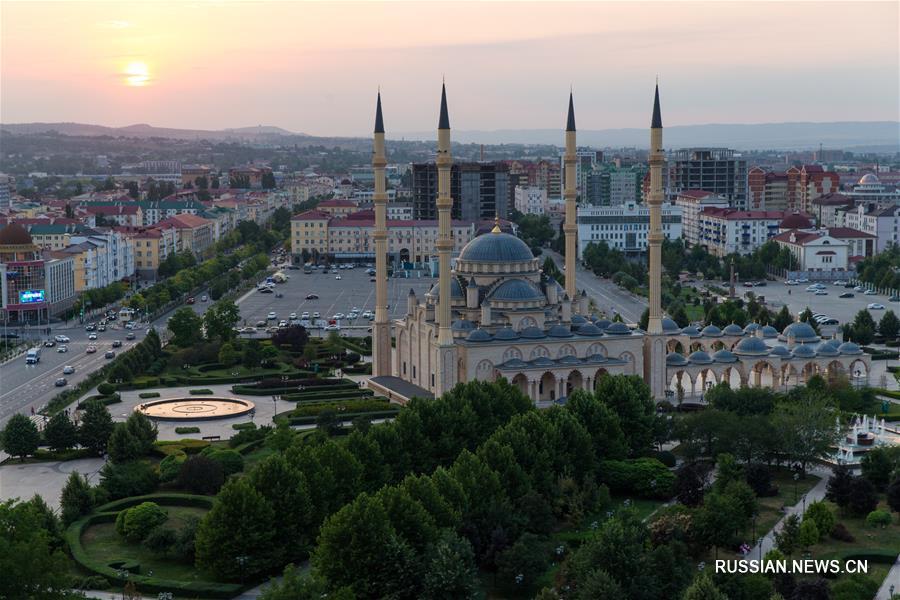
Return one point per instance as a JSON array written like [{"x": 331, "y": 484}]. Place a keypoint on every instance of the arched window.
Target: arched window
[{"x": 512, "y": 353}]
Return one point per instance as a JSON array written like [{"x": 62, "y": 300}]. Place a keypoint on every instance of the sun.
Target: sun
[{"x": 137, "y": 74}]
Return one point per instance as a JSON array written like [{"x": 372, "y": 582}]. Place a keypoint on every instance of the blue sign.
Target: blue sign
[{"x": 31, "y": 296}]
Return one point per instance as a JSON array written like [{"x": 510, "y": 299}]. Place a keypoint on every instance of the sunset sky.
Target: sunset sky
[{"x": 315, "y": 67}]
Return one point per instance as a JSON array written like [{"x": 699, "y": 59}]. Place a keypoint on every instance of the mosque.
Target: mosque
[{"x": 496, "y": 314}]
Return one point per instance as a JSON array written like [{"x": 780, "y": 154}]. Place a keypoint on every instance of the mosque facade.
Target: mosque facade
[{"x": 495, "y": 314}]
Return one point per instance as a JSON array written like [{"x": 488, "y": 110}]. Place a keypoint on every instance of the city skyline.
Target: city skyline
[{"x": 313, "y": 68}]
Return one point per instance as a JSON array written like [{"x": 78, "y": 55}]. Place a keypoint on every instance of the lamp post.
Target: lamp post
[
  {"x": 241, "y": 561},
  {"x": 796, "y": 480},
  {"x": 759, "y": 544}
]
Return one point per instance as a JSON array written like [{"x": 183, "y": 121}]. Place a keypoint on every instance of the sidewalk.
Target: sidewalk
[
  {"x": 815, "y": 494},
  {"x": 891, "y": 581}
]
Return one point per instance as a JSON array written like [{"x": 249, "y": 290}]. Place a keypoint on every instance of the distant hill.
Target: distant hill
[
  {"x": 861, "y": 135},
  {"x": 142, "y": 130}
]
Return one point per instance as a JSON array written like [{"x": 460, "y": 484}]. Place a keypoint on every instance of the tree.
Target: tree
[
  {"x": 809, "y": 534},
  {"x": 31, "y": 563},
  {"x": 96, "y": 427},
  {"x": 854, "y": 587},
  {"x": 602, "y": 423},
  {"x": 285, "y": 488},
  {"x": 889, "y": 326},
  {"x": 703, "y": 588},
  {"x": 691, "y": 480},
  {"x": 878, "y": 519},
  {"x": 143, "y": 430},
  {"x": 822, "y": 515},
  {"x": 135, "y": 523},
  {"x": 76, "y": 499},
  {"x": 295, "y": 337},
  {"x": 863, "y": 497},
  {"x": 520, "y": 565},
  {"x": 805, "y": 424},
  {"x": 237, "y": 537},
  {"x": 228, "y": 356},
  {"x": 719, "y": 519},
  {"x": 220, "y": 320},
  {"x": 268, "y": 180},
  {"x": 839, "y": 486},
  {"x": 296, "y": 584},
  {"x": 893, "y": 495},
  {"x": 450, "y": 571},
  {"x": 20, "y": 437},
  {"x": 122, "y": 446},
  {"x": 863, "y": 328},
  {"x": 877, "y": 466},
  {"x": 630, "y": 399},
  {"x": 788, "y": 538},
  {"x": 185, "y": 326},
  {"x": 201, "y": 475},
  {"x": 782, "y": 319},
  {"x": 133, "y": 478}
]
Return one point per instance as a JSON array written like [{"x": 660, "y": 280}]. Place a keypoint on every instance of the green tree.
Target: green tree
[
  {"x": 719, "y": 519},
  {"x": 228, "y": 356},
  {"x": 285, "y": 488},
  {"x": 185, "y": 326},
  {"x": 122, "y": 446},
  {"x": 60, "y": 432},
  {"x": 809, "y": 534},
  {"x": 863, "y": 497},
  {"x": 201, "y": 475},
  {"x": 133, "y": 478},
  {"x": 30, "y": 561},
  {"x": 602, "y": 423},
  {"x": 822, "y": 515},
  {"x": 236, "y": 539},
  {"x": 135, "y": 523},
  {"x": 893, "y": 495},
  {"x": 96, "y": 427},
  {"x": 839, "y": 486},
  {"x": 805, "y": 425},
  {"x": 76, "y": 499},
  {"x": 703, "y": 588},
  {"x": 143, "y": 430},
  {"x": 20, "y": 437},
  {"x": 298, "y": 585},
  {"x": 879, "y": 464},
  {"x": 220, "y": 320},
  {"x": 788, "y": 538},
  {"x": 520, "y": 565},
  {"x": 782, "y": 319},
  {"x": 630, "y": 399},
  {"x": 889, "y": 325},
  {"x": 449, "y": 571},
  {"x": 878, "y": 519}
]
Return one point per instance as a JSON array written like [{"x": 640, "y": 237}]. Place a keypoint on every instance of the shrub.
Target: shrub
[
  {"x": 145, "y": 395},
  {"x": 135, "y": 478},
  {"x": 161, "y": 540},
  {"x": 759, "y": 478},
  {"x": 201, "y": 475},
  {"x": 822, "y": 515},
  {"x": 645, "y": 477},
  {"x": 183, "y": 430},
  {"x": 170, "y": 466},
  {"x": 878, "y": 519},
  {"x": 841, "y": 533},
  {"x": 246, "y": 436},
  {"x": 106, "y": 389},
  {"x": 201, "y": 392},
  {"x": 231, "y": 460},
  {"x": 136, "y": 523},
  {"x": 243, "y": 426},
  {"x": 666, "y": 458},
  {"x": 853, "y": 588},
  {"x": 91, "y": 582}
]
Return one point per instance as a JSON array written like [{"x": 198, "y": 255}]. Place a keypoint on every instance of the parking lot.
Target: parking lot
[
  {"x": 353, "y": 290},
  {"x": 797, "y": 299}
]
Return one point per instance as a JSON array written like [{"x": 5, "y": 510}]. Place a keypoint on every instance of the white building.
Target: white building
[
  {"x": 531, "y": 200},
  {"x": 692, "y": 203},
  {"x": 623, "y": 227},
  {"x": 815, "y": 250},
  {"x": 724, "y": 231}
]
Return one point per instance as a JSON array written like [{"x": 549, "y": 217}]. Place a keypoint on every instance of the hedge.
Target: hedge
[
  {"x": 335, "y": 395},
  {"x": 143, "y": 583},
  {"x": 105, "y": 400},
  {"x": 183, "y": 430},
  {"x": 310, "y": 420},
  {"x": 201, "y": 392},
  {"x": 161, "y": 498},
  {"x": 351, "y": 405},
  {"x": 242, "y": 426},
  {"x": 637, "y": 476},
  {"x": 188, "y": 446},
  {"x": 258, "y": 391},
  {"x": 145, "y": 395}
]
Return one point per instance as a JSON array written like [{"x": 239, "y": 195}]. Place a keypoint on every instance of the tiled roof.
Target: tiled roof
[
  {"x": 732, "y": 214},
  {"x": 695, "y": 193},
  {"x": 847, "y": 232},
  {"x": 312, "y": 215}
]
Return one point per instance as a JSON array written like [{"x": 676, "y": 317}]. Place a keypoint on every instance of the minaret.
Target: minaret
[
  {"x": 570, "y": 228},
  {"x": 444, "y": 375},
  {"x": 381, "y": 332},
  {"x": 445, "y": 235},
  {"x": 654, "y": 201}
]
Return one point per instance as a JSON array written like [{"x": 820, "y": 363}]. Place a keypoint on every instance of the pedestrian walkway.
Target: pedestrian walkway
[
  {"x": 891, "y": 583},
  {"x": 815, "y": 494}
]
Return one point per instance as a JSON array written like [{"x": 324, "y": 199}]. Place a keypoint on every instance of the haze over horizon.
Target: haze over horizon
[{"x": 314, "y": 68}]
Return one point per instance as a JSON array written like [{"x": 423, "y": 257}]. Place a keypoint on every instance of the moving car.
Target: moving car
[
  {"x": 191, "y": 300},
  {"x": 265, "y": 290},
  {"x": 790, "y": 282},
  {"x": 61, "y": 382},
  {"x": 875, "y": 306},
  {"x": 204, "y": 298},
  {"x": 91, "y": 349},
  {"x": 337, "y": 276},
  {"x": 92, "y": 336},
  {"x": 62, "y": 339},
  {"x": 859, "y": 288},
  {"x": 109, "y": 354},
  {"x": 117, "y": 344},
  {"x": 821, "y": 293},
  {"x": 62, "y": 349},
  {"x": 130, "y": 335},
  {"x": 68, "y": 370},
  {"x": 49, "y": 344}
]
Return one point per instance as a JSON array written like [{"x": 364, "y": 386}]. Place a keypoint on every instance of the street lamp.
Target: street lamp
[
  {"x": 796, "y": 480},
  {"x": 241, "y": 561},
  {"x": 760, "y": 543}
]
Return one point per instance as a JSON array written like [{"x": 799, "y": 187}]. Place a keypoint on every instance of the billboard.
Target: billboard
[{"x": 31, "y": 296}]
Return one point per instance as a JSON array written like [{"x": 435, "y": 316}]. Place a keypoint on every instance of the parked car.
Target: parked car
[
  {"x": 204, "y": 298},
  {"x": 312, "y": 297},
  {"x": 875, "y": 306},
  {"x": 271, "y": 316},
  {"x": 68, "y": 370},
  {"x": 61, "y": 382},
  {"x": 894, "y": 299},
  {"x": 859, "y": 288},
  {"x": 869, "y": 293},
  {"x": 260, "y": 323},
  {"x": 821, "y": 293},
  {"x": 293, "y": 315},
  {"x": 790, "y": 282},
  {"x": 847, "y": 295},
  {"x": 316, "y": 315},
  {"x": 191, "y": 300}
]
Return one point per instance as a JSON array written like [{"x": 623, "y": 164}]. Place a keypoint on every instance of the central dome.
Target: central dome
[
  {"x": 496, "y": 247},
  {"x": 516, "y": 290}
]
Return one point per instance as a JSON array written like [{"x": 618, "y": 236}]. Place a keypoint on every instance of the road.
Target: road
[{"x": 608, "y": 297}]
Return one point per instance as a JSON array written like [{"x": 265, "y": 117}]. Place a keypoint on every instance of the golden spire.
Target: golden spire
[{"x": 496, "y": 228}]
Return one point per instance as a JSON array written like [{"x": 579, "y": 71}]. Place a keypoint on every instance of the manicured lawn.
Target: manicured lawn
[
  {"x": 103, "y": 544},
  {"x": 770, "y": 508}
]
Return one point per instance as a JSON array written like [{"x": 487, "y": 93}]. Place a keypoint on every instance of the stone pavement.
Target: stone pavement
[
  {"x": 815, "y": 494},
  {"x": 891, "y": 583},
  {"x": 18, "y": 480}
]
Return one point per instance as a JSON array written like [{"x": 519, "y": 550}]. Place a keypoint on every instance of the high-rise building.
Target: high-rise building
[
  {"x": 5, "y": 192},
  {"x": 480, "y": 190},
  {"x": 586, "y": 160},
  {"x": 717, "y": 170}
]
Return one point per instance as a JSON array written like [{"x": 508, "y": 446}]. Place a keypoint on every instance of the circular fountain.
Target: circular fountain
[{"x": 195, "y": 409}]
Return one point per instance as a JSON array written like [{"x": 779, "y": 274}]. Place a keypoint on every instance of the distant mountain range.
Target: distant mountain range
[
  {"x": 862, "y": 136},
  {"x": 880, "y": 136},
  {"x": 143, "y": 130}
]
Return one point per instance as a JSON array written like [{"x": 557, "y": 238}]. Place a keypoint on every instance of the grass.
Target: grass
[
  {"x": 103, "y": 544},
  {"x": 770, "y": 508},
  {"x": 694, "y": 313}
]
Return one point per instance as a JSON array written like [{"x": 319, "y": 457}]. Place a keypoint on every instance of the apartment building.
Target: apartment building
[
  {"x": 624, "y": 227},
  {"x": 692, "y": 203}
]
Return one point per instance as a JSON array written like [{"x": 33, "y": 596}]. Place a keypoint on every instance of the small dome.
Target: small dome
[
  {"x": 670, "y": 326},
  {"x": 781, "y": 351},
  {"x": 532, "y": 333},
  {"x": 869, "y": 179},
  {"x": 751, "y": 328},
  {"x": 455, "y": 289},
  {"x": 769, "y": 332},
  {"x": 752, "y": 346},
  {"x": 542, "y": 361},
  {"x": 560, "y": 331},
  {"x": 724, "y": 356},
  {"x": 578, "y": 320},
  {"x": 462, "y": 325},
  {"x": 733, "y": 329},
  {"x": 479, "y": 335},
  {"x": 690, "y": 331},
  {"x": 674, "y": 359},
  {"x": 803, "y": 351},
  {"x": 832, "y": 342},
  {"x": 849, "y": 348},
  {"x": 800, "y": 333},
  {"x": 506, "y": 333},
  {"x": 516, "y": 290},
  {"x": 711, "y": 331},
  {"x": 700, "y": 358},
  {"x": 827, "y": 350},
  {"x": 589, "y": 329},
  {"x": 515, "y": 363},
  {"x": 618, "y": 329},
  {"x": 14, "y": 235},
  {"x": 795, "y": 221},
  {"x": 569, "y": 359},
  {"x": 596, "y": 358},
  {"x": 496, "y": 247},
  {"x": 602, "y": 323}
]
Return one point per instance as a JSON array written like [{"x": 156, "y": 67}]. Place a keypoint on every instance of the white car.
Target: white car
[
  {"x": 271, "y": 316},
  {"x": 282, "y": 323},
  {"x": 869, "y": 293},
  {"x": 68, "y": 370},
  {"x": 62, "y": 339},
  {"x": 305, "y": 315},
  {"x": 858, "y": 288},
  {"x": 875, "y": 306},
  {"x": 337, "y": 277},
  {"x": 316, "y": 315},
  {"x": 790, "y": 282},
  {"x": 338, "y": 316},
  {"x": 811, "y": 288},
  {"x": 293, "y": 315},
  {"x": 332, "y": 328},
  {"x": 92, "y": 336},
  {"x": 62, "y": 349},
  {"x": 838, "y": 282},
  {"x": 821, "y": 293}
]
